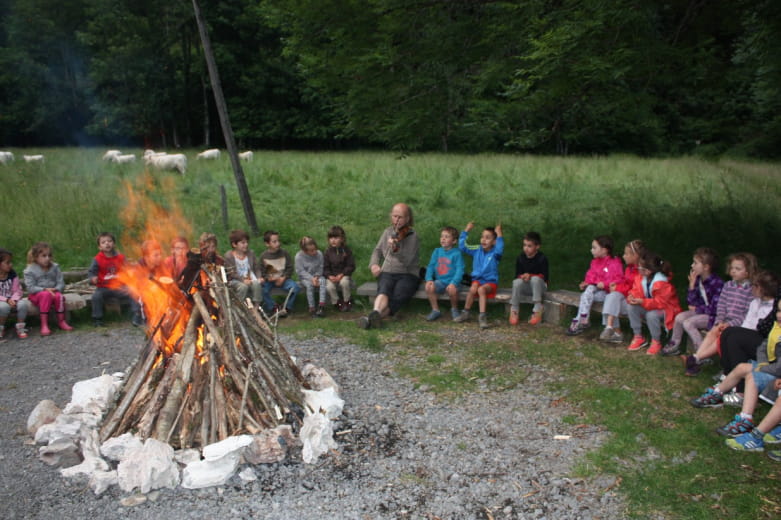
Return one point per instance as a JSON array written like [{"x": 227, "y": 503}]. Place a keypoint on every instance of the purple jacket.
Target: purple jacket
[
  {"x": 705, "y": 296},
  {"x": 733, "y": 303}
]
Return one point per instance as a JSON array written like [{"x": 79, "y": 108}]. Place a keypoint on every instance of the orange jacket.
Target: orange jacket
[{"x": 663, "y": 297}]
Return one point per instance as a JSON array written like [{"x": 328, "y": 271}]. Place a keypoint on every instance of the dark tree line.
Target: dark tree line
[{"x": 546, "y": 76}]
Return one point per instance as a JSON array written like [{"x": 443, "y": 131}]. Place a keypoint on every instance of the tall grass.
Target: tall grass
[{"x": 675, "y": 205}]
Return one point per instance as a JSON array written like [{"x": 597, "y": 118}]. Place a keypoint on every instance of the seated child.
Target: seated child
[
  {"x": 703, "y": 298},
  {"x": 485, "y": 269},
  {"x": 103, "y": 274},
  {"x": 736, "y": 295},
  {"x": 444, "y": 273},
  {"x": 44, "y": 281},
  {"x": 309, "y": 268},
  {"x": 605, "y": 269},
  {"x": 176, "y": 263},
  {"x": 757, "y": 374},
  {"x": 243, "y": 269},
  {"x": 615, "y": 301},
  {"x": 276, "y": 268},
  {"x": 11, "y": 295},
  {"x": 531, "y": 277},
  {"x": 338, "y": 268},
  {"x": 652, "y": 297}
]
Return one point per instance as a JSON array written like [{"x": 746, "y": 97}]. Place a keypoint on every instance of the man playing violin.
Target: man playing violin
[{"x": 396, "y": 265}]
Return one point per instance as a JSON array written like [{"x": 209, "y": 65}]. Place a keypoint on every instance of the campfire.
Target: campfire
[{"x": 211, "y": 389}]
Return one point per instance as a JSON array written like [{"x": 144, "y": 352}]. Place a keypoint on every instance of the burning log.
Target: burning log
[{"x": 212, "y": 368}]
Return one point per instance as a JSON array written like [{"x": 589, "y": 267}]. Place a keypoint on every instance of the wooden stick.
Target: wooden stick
[{"x": 144, "y": 426}]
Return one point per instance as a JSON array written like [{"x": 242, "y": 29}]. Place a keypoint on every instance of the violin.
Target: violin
[{"x": 398, "y": 235}]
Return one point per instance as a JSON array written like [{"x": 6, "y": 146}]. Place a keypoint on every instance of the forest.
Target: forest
[{"x": 566, "y": 77}]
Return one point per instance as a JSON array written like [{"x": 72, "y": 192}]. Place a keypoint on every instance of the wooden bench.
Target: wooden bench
[{"x": 555, "y": 302}]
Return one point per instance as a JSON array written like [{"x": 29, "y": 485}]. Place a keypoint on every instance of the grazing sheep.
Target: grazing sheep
[
  {"x": 212, "y": 153},
  {"x": 33, "y": 158},
  {"x": 152, "y": 153},
  {"x": 246, "y": 156},
  {"x": 109, "y": 156},
  {"x": 6, "y": 157},
  {"x": 176, "y": 162},
  {"x": 124, "y": 159}
]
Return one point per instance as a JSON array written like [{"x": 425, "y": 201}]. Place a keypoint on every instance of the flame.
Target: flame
[{"x": 152, "y": 219}]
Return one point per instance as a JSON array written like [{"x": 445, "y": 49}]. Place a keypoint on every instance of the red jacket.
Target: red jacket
[
  {"x": 663, "y": 297},
  {"x": 628, "y": 281}
]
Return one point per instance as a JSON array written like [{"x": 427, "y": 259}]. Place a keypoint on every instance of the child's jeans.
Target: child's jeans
[
  {"x": 588, "y": 297},
  {"x": 21, "y": 309},
  {"x": 45, "y": 300},
  {"x": 254, "y": 289},
  {"x": 288, "y": 286},
  {"x": 100, "y": 295},
  {"x": 311, "y": 289},
  {"x": 654, "y": 320},
  {"x": 691, "y": 322},
  {"x": 535, "y": 286}
]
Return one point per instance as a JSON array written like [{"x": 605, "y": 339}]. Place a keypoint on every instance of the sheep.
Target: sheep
[
  {"x": 33, "y": 158},
  {"x": 212, "y": 153},
  {"x": 6, "y": 157},
  {"x": 152, "y": 153},
  {"x": 109, "y": 156},
  {"x": 124, "y": 159},
  {"x": 176, "y": 162},
  {"x": 246, "y": 156}
]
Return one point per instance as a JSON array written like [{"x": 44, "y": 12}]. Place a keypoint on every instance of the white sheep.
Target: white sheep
[
  {"x": 109, "y": 155},
  {"x": 212, "y": 153},
  {"x": 152, "y": 153},
  {"x": 176, "y": 162},
  {"x": 124, "y": 159},
  {"x": 246, "y": 156},
  {"x": 33, "y": 158},
  {"x": 6, "y": 157}
]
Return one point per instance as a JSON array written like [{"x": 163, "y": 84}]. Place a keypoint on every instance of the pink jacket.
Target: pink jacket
[
  {"x": 16, "y": 290},
  {"x": 606, "y": 270}
]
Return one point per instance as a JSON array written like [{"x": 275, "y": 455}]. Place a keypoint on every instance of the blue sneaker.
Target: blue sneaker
[
  {"x": 746, "y": 442},
  {"x": 455, "y": 313},
  {"x": 773, "y": 436},
  {"x": 710, "y": 399},
  {"x": 433, "y": 315},
  {"x": 737, "y": 426}
]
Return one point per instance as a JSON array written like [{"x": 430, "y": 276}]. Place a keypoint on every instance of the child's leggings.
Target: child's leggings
[
  {"x": 310, "y": 291},
  {"x": 588, "y": 297},
  {"x": 615, "y": 305},
  {"x": 345, "y": 284},
  {"x": 654, "y": 320},
  {"x": 691, "y": 322},
  {"x": 45, "y": 299}
]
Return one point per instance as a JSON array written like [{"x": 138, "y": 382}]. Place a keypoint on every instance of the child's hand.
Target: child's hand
[
  {"x": 582, "y": 285},
  {"x": 316, "y": 281},
  {"x": 94, "y": 280},
  {"x": 634, "y": 300},
  {"x": 613, "y": 286},
  {"x": 692, "y": 279},
  {"x": 526, "y": 277},
  {"x": 279, "y": 281},
  {"x": 601, "y": 285},
  {"x": 469, "y": 227},
  {"x": 376, "y": 270},
  {"x": 498, "y": 229},
  {"x": 777, "y": 384}
]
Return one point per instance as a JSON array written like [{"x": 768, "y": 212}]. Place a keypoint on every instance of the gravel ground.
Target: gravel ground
[{"x": 403, "y": 452}]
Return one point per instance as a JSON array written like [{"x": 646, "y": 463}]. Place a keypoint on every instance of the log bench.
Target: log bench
[{"x": 554, "y": 302}]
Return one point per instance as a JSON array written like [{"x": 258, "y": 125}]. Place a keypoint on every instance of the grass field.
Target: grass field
[{"x": 670, "y": 462}]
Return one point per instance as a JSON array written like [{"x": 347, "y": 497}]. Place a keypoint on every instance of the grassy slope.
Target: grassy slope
[{"x": 666, "y": 453}]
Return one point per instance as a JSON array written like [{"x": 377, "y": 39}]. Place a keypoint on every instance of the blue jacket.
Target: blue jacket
[
  {"x": 485, "y": 264},
  {"x": 446, "y": 266}
]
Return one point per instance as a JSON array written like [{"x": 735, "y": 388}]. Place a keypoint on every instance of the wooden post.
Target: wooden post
[
  {"x": 224, "y": 205},
  {"x": 227, "y": 130}
]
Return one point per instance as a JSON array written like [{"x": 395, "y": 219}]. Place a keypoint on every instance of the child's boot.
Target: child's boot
[
  {"x": 62, "y": 323},
  {"x": 45, "y": 324},
  {"x": 21, "y": 332}
]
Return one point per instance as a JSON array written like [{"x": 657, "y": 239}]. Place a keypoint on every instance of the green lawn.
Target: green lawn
[{"x": 669, "y": 460}]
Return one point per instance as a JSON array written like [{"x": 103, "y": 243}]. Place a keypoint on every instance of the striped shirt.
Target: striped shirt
[{"x": 733, "y": 303}]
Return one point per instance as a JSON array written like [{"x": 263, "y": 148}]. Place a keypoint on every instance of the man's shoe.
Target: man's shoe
[{"x": 375, "y": 320}]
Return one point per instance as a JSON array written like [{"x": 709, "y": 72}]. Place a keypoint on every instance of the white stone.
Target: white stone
[
  {"x": 226, "y": 446},
  {"x": 326, "y": 400},
  {"x": 100, "y": 481},
  {"x": 92, "y": 395},
  {"x": 248, "y": 475},
  {"x": 151, "y": 466},
  {"x": 64, "y": 426},
  {"x": 60, "y": 453},
  {"x": 133, "y": 500},
  {"x": 317, "y": 435},
  {"x": 318, "y": 378},
  {"x": 187, "y": 456},
  {"x": 268, "y": 447},
  {"x": 207, "y": 473},
  {"x": 44, "y": 412},
  {"x": 90, "y": 450},
  {"x": 115, "y": 448}
]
